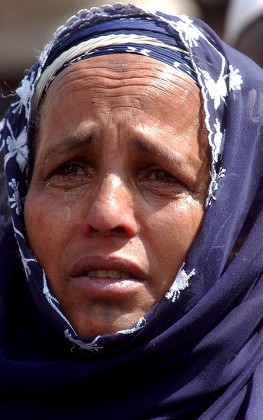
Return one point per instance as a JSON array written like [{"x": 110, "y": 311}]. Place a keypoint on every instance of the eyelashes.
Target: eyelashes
[
  {"x": 158, "y": 174},
  {"x": 80, "y": 169},
  {"x": 87, "y": 172}
]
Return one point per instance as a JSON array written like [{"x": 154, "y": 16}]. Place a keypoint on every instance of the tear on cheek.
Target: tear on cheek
[
  {"x": 189, "y": 199},
  {"x": 68, "y": 214}
]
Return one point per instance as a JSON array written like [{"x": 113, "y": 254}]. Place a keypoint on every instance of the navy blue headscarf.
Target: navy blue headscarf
[{"x": 198, "y": 353}]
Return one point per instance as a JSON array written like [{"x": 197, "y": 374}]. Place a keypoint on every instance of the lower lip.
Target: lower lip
[{"x": 106, "y": 287}]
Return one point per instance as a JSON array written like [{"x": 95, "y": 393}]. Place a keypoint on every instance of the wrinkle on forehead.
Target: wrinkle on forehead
[{"x": 112, "y": 66}]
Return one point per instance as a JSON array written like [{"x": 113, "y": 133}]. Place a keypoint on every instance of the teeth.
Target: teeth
[{"x": 114, "y": 274}]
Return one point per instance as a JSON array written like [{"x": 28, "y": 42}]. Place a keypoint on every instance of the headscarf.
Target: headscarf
[{"x": 198, "y": 352}]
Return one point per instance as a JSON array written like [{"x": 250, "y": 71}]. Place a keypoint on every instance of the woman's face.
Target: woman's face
[{"x": 118, "y": 187}]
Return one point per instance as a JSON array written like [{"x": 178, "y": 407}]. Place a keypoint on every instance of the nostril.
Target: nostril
[
  {"x": 92, "y": 229},
  {"x": 118, "y": 229}
]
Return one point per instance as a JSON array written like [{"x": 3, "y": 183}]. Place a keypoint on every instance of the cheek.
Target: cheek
[
  {"x": 46, "y": 224},
  {"x": 174, "y": 228}
]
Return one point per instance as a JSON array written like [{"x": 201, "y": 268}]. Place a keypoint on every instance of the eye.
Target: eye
[
  {"x": 160, "y": 182},
  {"x": 70, "y": 174},
  {"x": 161, "y": 175},
  {"x": 70, "y": 168}
]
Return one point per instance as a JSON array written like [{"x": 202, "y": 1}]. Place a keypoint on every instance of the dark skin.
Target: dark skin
[{"x": 118, "y": 187}]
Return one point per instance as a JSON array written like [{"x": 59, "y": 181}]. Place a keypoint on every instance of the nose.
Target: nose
[{"x": 111, "y": 210}]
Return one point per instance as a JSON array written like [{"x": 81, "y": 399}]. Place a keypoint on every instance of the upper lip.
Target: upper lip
[{"x": 85, "y": 264}]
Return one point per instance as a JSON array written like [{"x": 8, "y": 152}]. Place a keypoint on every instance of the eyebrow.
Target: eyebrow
[
  {"x": 78, "y": 141},
  {"x": 69, "y": 144},
  {"x": 150, "y": 148},
  {"x": 170, "y": 156}
]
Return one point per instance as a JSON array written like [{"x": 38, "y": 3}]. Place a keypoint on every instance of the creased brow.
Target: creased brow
[{"x": 69, "y": 144}]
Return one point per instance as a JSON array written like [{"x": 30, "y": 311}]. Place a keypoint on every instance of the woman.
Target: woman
[{"x": 132, "y": 273}]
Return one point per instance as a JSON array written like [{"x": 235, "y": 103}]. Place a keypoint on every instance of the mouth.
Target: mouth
[
  {"x": 111, "y": 274},
  {"x": 106, "y": 277},
  {"x": 96, "y": 267}
]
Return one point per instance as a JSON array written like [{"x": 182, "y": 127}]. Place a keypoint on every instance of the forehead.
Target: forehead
[
  {"x": 121, "y": 66},
  {"x": 122, "y": 74}
]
